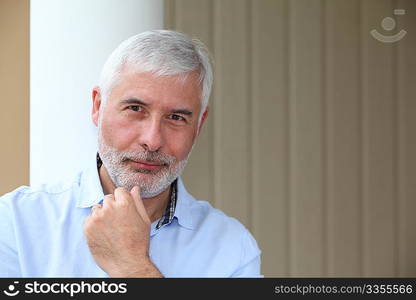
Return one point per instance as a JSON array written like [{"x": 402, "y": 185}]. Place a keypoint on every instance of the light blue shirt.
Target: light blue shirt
[{"x": 41, "y": 235}]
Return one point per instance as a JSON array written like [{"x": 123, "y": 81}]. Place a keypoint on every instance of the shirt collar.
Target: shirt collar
[
  {"x": 169, "y": 213},
  {"x": 183, "y": 211},
  {"x": 91, "y": 193}
]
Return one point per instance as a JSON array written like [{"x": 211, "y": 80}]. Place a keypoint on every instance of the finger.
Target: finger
[
  {"x": 121, "y": 194},
  {"x": 95, "y": 208},
  {"x": 135, "y": 193},
  {"x": 108, "y": 200}
]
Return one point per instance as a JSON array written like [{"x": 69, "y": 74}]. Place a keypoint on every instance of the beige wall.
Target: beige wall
[
  {"x": 14, "y": 94},
  {"x": 311, "y": 137}
]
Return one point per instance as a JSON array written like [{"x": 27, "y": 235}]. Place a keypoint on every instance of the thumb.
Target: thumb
[{"x": 135, "y": 193}]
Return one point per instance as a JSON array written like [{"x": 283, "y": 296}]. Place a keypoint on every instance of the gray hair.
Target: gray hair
[{"x": 162, "y": 52}]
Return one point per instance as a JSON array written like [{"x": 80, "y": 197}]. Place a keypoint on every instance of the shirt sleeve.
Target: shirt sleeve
[
  {"x": 9, "y": 262},
  {"x": 250, "y": 258}
]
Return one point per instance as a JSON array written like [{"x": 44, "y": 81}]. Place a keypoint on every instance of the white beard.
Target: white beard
[{"x": 151, "y": 183}]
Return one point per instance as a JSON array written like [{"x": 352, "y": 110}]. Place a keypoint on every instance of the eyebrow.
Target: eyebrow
[
  {"x": 132, "y": 101},
  {"x": 182, "y": 112}
]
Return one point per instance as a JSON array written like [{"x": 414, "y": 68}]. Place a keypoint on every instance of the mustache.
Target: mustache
[{"x": 149, "y": 156}]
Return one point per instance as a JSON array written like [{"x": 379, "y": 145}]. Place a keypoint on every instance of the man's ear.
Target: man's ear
[
  {"x": 203, "y": 118},
  {"x": 96, "y": 103}
]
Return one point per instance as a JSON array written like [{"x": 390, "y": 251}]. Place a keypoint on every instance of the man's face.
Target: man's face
[{"x": 147, "y": 129}]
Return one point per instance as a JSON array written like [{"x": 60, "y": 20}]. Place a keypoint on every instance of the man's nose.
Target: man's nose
[{"x": 151, "y": 135}]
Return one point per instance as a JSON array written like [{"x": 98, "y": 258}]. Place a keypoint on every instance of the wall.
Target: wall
[
  {"x": 14, "y": 87},
  {"x": 310, "y": 140}
]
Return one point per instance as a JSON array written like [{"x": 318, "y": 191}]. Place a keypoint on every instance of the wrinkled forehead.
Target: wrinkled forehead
[{"x": 149, "y": 87}]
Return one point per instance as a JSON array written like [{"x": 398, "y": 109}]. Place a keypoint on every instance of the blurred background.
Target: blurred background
[{"x": 310, "y": 141}]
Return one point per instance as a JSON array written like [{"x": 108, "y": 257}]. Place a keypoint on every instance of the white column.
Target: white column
[{"x": 69, "y": 42}]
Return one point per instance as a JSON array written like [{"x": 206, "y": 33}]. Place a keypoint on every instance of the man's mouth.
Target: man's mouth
[{"x": 147, "y": 165}]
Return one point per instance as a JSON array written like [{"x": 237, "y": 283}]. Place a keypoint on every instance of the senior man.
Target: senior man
[{"x": 128, "y": 214}]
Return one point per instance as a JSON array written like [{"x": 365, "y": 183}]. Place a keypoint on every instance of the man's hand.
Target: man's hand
[{"x": 118, "y": 234}]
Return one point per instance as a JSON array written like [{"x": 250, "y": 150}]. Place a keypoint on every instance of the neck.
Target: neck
[{"x": 155, "y": 206}]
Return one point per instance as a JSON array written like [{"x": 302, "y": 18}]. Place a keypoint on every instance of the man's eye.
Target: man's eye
[
  {"x": 135, "y": 107},
  {"x": 177, "y": 118}
]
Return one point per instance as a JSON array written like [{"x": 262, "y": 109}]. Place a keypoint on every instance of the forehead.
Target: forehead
[{"x": 169, "y": 90}]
